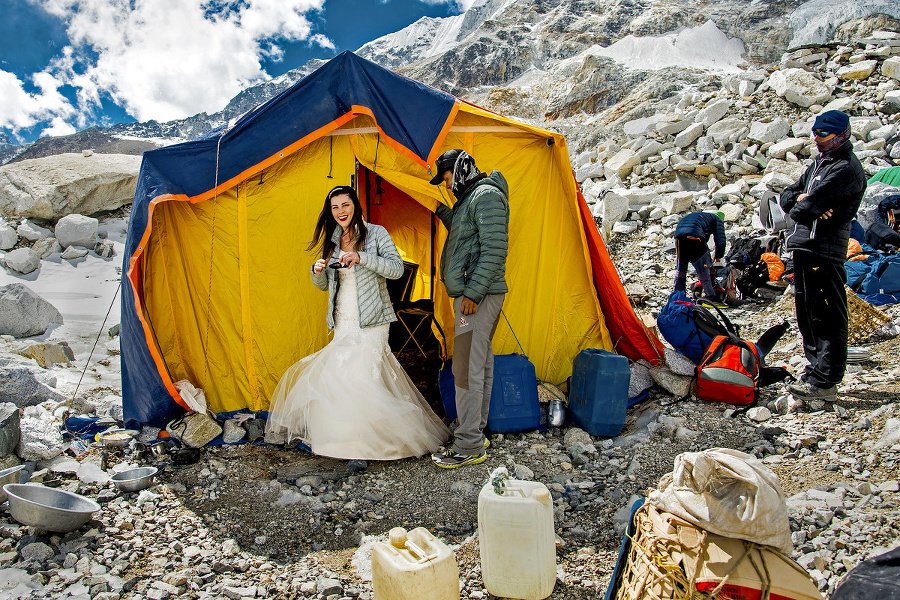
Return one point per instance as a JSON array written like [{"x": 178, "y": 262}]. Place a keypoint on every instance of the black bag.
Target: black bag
[
  {"x": 752, "y": 278},
  {"x": 877, "y": 577},
  {"x": 744, "y": 252},
  {"x": 881, "y": 237}
]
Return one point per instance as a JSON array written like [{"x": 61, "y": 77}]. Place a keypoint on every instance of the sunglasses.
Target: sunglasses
[{"x": 821, "y": 133}]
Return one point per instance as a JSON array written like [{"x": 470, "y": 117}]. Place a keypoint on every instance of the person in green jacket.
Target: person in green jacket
[{"x": 473, "y": 269}]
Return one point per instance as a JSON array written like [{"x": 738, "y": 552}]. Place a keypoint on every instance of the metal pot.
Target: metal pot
[
  {"x": 12, "y": 475},
  {"x": 48, "y": 508},
  {"x": 117, "y": 437},
  {"x": 556, "y": 413},
  {"x": 134, "y": 480}
]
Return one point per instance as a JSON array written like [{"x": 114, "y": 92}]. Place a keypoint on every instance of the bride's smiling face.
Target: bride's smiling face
[{"x": 342, "y": 209}]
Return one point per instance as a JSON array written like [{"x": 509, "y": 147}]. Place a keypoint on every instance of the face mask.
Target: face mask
[{"x": 833, "y": 143}]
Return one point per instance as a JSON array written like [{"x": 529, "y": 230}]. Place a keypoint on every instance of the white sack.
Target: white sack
[
  {"x": 193, "y": 397},
  {"x": 728, "y": 493}
]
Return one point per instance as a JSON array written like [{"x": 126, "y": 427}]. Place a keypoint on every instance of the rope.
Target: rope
[
  {"x": 502, "y": 312},
  {"x": 99, "y": 333},
  {"x": 211, "y": 251}
]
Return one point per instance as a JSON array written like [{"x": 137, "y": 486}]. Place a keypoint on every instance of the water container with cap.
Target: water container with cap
[
  {"x": 598, "y": 393},
  {"x": 413, "y": 566},
  {"x": 516, "y": 539}
]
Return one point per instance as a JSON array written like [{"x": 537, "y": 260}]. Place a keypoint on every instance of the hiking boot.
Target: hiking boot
[
  {"x": 443, "y": 449},
  {"x": 808, "y": 391},
  {"x": 451, "y": 460}
]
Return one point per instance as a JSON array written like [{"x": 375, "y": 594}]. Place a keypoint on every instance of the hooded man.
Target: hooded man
[
  {"x": 822, "y": 204},
  {"x": 691, "y": 246},
  {"x": 473, "y": 269}
]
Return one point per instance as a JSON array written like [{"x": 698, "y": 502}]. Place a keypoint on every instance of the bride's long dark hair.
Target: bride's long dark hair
[{"x": 325, "y": 224}]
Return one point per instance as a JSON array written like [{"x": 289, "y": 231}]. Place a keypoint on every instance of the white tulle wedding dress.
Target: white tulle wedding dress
[{"x": 352, "y": 399}]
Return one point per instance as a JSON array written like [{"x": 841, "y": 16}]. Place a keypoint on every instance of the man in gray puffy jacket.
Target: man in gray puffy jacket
[
  {"x": 822, "y": 204},
  {"x": 473, "y": 269}
]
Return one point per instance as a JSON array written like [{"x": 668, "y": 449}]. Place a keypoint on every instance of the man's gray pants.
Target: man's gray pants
[{"x": 473, "y": 370}]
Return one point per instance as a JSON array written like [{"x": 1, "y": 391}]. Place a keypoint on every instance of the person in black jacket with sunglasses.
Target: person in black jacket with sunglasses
[{"x": 822, "y": 204}]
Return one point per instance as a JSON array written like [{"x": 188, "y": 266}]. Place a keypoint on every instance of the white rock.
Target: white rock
[
  {"x": 622, "y": 163},
  {"x": 678, "y": 363},
  {"x": 800, "y": 87},
  {"x": 759, "y": 414},
  {"x": 22, "y": 260},
  {"x": 769, "y": 132},
  {"x": 676, "y": 385},
  {"x": 891, "y": 67},
  {"x": 615, "y": 208},
  {"x": 779, "y": 149},
  {"x": 77, "y": 230},
  {"x": 54, "y": 186},
  {"x": 689, "y": 135},
  {"x": 674, "y": 127},
  {"x": 727, "y": 130},
  {"x": 713, "y": 112},
  {"x": 46, "y": 247},
  {"x": 883, "y": 133},
  {"x": 625, "y": 227},
  {"x": 32, "y": 232},
  {"x": 23, "y": 313},
  {"x": 863, "y": 126},
  {"x": 74, "y": 252},
  {"x": 679, "y": 202},
  {"x": 40, "y": 438},
  {"x": 8, "y": 237}
]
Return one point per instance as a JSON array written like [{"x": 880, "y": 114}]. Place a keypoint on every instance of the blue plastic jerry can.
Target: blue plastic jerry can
[{"x": 598, "y": 398}]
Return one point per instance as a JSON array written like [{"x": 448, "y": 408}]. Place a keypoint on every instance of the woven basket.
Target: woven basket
[
  {"x": 651, "y": 571},
  {"x": 865, "y": 319}
]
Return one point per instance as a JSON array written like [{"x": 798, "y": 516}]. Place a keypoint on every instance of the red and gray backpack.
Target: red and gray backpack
[{"x": 729, "y": 371}]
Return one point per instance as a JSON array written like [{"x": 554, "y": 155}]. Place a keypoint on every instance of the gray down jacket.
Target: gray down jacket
[
  {"x": 379, "y": 261},
  {"x": 473, "y": 262}
]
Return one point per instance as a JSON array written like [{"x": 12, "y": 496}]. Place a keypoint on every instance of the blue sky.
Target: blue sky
[{"x": 66, "y": 65}]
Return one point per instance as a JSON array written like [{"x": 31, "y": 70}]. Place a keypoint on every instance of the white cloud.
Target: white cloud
[
  {"x": 159, "y": 59},
  {"x": 462, "y": 5},
  {"x": 21, "y": 109}
]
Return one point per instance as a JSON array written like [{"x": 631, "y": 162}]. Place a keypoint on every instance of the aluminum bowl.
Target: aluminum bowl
[
  {"x": 117, "y": 437},
  {"x": 12, "y": 475},
  {"x": 48, "y": 508},
  {"x": 134, "y": 480}
]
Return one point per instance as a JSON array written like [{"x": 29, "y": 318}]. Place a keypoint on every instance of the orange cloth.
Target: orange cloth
[
  {"x": 854, "y": 247},
  {"x": 776, "y": 267}
]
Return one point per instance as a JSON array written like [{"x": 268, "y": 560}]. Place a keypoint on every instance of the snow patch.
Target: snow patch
[{"x": 703, "y": 47}]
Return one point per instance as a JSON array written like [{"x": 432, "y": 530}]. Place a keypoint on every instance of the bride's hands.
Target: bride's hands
[{"x": 318, "y": 266}]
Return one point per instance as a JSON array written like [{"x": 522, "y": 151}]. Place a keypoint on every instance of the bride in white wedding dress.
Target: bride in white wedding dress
[{"x": 352, "y": 399}]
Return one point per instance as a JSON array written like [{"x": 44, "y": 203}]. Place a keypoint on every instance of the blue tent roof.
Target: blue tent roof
[{"x": 410, "y": 113}]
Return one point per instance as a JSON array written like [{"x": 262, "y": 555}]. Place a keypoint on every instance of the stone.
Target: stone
[
  {"x": 77, "y": 230},
  {"x": 233, "y": 432},
  {"x": 31, "y": 232},
  {"x": 22, "y": 260},
  {"x": 889, "y": 436},
  {"x": 779, "y": 149},
  {"x": 23, "y": 313},
  {"x": 891, "y": 68},
  {"x": 860, "y": 70},
  {"x": 326, "y": 586},
  {"x": 9, "y": 428},
  {"x": 74, "y": 253},
  {"x": 8, "y": 237},
  {"x": 689, "y": 135},
  {"x": 55, "y": 186},
  {"x": 799, "y": 87},
  {"x": 47, "y": 246},
  {"x": 20, "y": 386},
  {"x": 622, "y": 163},
  {"x": 678, "y": 363},
  {"x": 674, "y": 127},
  {"x": 713, "y": 112},
  {"x": 40, "y": 436},
  {"x": 640, "y": 380},
  {"x": 766, "y": 132},
  {"x": 727, "y": 130},
  {"x": 614, "y": 209},
  {"x": 676, "y": 385},
  {"x": 676, "y": 203},
  {"x": 759, "y": 414},
  {"x": 48, "y": 354}
]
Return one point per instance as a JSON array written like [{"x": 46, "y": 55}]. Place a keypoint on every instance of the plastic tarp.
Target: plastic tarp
[
  {"x": 889, "y": 175},
  {"x": 217, "y": 288}
]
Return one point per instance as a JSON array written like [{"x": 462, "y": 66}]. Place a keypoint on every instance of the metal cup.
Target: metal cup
[{"x": 556, "y": 414}]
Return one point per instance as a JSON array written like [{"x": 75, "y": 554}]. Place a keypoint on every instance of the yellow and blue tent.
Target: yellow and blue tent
[{"x": 216, "y": 286}]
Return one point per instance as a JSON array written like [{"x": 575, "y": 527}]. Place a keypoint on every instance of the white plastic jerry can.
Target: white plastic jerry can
[
  {"x": 414, "y": 566},
  {"x": 517, "y": 540}
]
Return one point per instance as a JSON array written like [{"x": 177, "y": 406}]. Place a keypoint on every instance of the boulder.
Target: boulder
[
  {"x": 713, "y": 112},
  {"x": 615, "y": 208},
  {"x": 622, "y": 163},
  {"x": 800, "y": 87},
  {"x": 779, "y": 149},
  {"x": 22, "y": 260},
  {"x": 859, "y": 70},
  {"x": 46, "y": 247},
  {"x": 74, "y": 252},
  {"x": 766, "y": 132},
  {"x": 891, "y": 68},
  {"x": 20, "y": 386},
  {"x": 23, "y": 313},
  {"x": 689, "y": 135},
  {"x": 727, "y": 130},
  {"x": 40, "y": 436},
  {"x": 32, "y": 232},
  {"x": 77, "y": 230},
  {"x": 55, "y": 186},
  {"x": 48, "y": 354},
  {"x": 8, "y": 237}
]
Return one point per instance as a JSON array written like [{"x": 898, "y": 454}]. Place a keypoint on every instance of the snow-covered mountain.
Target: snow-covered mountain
[{"x": 547, "y": 60}]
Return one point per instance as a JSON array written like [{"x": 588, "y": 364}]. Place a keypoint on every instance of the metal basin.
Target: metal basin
[
  {"x": 134, "y": 480},
  {"x": 117, "y": 437},
  {"x": 48, "y": 508},
  {"x": 11, "y": 475}
]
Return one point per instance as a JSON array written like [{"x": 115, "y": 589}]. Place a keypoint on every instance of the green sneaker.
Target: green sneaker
[
  {"x": 451, "y": 460},
  {"x": 808, "y": 391},
  {"x": 487, "y": 443}
]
